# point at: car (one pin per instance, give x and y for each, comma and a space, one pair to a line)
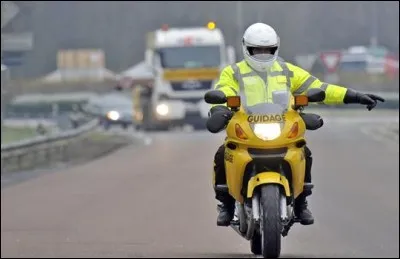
112, 109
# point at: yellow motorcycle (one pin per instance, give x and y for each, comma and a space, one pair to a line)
265, 162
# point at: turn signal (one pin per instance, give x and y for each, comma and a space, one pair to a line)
233, 102
294, 131
301, 100
240, 132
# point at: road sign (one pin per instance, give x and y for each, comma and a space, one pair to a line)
331, 59
306, 61
8, 11
17, 41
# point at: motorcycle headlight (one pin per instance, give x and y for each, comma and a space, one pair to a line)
269, 131
162, 109
113, 115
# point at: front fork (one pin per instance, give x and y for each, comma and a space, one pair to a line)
255, 218
254, 214
247, 218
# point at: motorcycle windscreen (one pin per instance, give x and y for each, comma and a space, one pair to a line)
266, 92
266, 98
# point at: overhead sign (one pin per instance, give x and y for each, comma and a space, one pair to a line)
305, 61
331, 60
17, 41
8, 11
12, 59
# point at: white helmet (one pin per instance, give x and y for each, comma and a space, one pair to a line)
260, 35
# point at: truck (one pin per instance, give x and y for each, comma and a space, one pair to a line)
185, 64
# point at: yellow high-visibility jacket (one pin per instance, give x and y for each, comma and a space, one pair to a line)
241, 77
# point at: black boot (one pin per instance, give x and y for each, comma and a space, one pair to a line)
302, 212
301, 206
227, 206
225, 215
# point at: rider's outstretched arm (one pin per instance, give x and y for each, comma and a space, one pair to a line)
303, 80
335, 94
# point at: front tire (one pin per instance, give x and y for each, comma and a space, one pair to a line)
271, 226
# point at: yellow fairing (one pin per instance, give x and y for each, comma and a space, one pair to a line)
237, 159
296, 159
267, 177
253, 141
235, 164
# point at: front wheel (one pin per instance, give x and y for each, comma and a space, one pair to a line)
271, 224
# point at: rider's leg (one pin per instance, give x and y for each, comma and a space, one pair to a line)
228, 203
301, 205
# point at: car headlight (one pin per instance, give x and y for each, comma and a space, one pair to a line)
162, 109
113, 115
269, 131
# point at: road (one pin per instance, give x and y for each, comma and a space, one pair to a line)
156, 200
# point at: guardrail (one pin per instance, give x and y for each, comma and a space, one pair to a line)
31, 153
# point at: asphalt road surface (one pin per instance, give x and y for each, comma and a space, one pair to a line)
156, 200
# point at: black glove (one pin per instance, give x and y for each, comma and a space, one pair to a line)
370, 100
219, 117
220, 109
367, 99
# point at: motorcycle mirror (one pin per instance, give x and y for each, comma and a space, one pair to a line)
233, 102
316, 95
215, 97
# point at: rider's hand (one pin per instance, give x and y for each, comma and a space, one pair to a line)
223, 113
219, 116
370, 100
221, 110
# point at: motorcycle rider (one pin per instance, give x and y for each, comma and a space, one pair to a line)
260, 46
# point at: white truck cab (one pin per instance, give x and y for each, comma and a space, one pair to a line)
186, 63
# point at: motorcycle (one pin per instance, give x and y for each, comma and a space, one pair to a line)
265, 162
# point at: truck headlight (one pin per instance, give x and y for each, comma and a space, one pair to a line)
268, 131
113, 115
162, 109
